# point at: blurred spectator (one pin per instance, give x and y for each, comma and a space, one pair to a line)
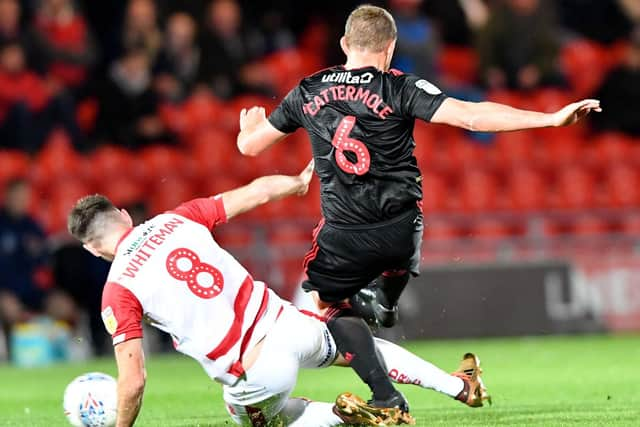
10, 28
179, 61
518, 48
605, 21
128, 106
29, 106
417, 45
25, 287
63, 43
620, 94
277, 36
141, 28
230, 50
458, 20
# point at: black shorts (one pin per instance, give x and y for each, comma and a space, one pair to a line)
346, 258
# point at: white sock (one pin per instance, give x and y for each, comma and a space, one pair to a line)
406, 368
303, 413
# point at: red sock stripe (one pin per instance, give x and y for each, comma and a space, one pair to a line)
394, 273
336, 309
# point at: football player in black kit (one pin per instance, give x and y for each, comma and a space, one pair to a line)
360, 118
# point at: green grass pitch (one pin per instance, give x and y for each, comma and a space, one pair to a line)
551, 381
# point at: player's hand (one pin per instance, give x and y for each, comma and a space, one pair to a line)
305, 178
251, 118
575, 112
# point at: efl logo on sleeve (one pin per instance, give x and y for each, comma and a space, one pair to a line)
428, 87
109, 320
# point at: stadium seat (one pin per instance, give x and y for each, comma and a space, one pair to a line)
526, 190
491, 228
623, 186
631, 225
122, 190
435, 192
613, 148
110, 161
514, 148
559, 152
576, 188
62, 195
585, 63
458, 65
159, 161
589, 225
13, 164
202, 110
214, 152
58, 160
549, 100
169, 191
287, 67
86, 114
463, 153
511, 98
441, 230
478, 191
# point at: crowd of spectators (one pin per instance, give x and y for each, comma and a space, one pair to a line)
121, 73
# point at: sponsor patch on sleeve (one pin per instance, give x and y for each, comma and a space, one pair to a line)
428, 87
110, 321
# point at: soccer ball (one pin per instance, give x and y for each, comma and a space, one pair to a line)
91, 401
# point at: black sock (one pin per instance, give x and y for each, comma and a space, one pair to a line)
355, 342
390, 287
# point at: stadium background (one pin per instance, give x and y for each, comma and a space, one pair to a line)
532, 232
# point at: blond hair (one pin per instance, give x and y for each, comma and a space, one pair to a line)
370, 28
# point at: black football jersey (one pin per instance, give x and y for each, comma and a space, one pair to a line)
360, 123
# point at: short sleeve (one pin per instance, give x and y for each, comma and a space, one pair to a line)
208, 211
121, 313
420, 98
287, 116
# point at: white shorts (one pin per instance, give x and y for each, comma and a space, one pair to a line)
297, 340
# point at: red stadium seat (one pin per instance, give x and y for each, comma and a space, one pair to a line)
511, 98
435, 192
202, 110
463, 153
13, 164
214, 152
159, 161
86, 114
613, 148
286, 68
576, 188
559, 152
58, 160
63, 194
491, 229
478, 191
169, 192
459, 65
514, 148
122, 191
441, 230
589, 225
110, 161
631, 225
623, 186
526, 190
585, 64
550, 100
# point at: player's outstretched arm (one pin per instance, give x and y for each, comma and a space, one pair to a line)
265, 189
256, 132
131, 380
493, 117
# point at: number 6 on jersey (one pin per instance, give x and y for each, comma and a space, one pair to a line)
342, 142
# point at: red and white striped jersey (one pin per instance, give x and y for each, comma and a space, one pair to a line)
171, 272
